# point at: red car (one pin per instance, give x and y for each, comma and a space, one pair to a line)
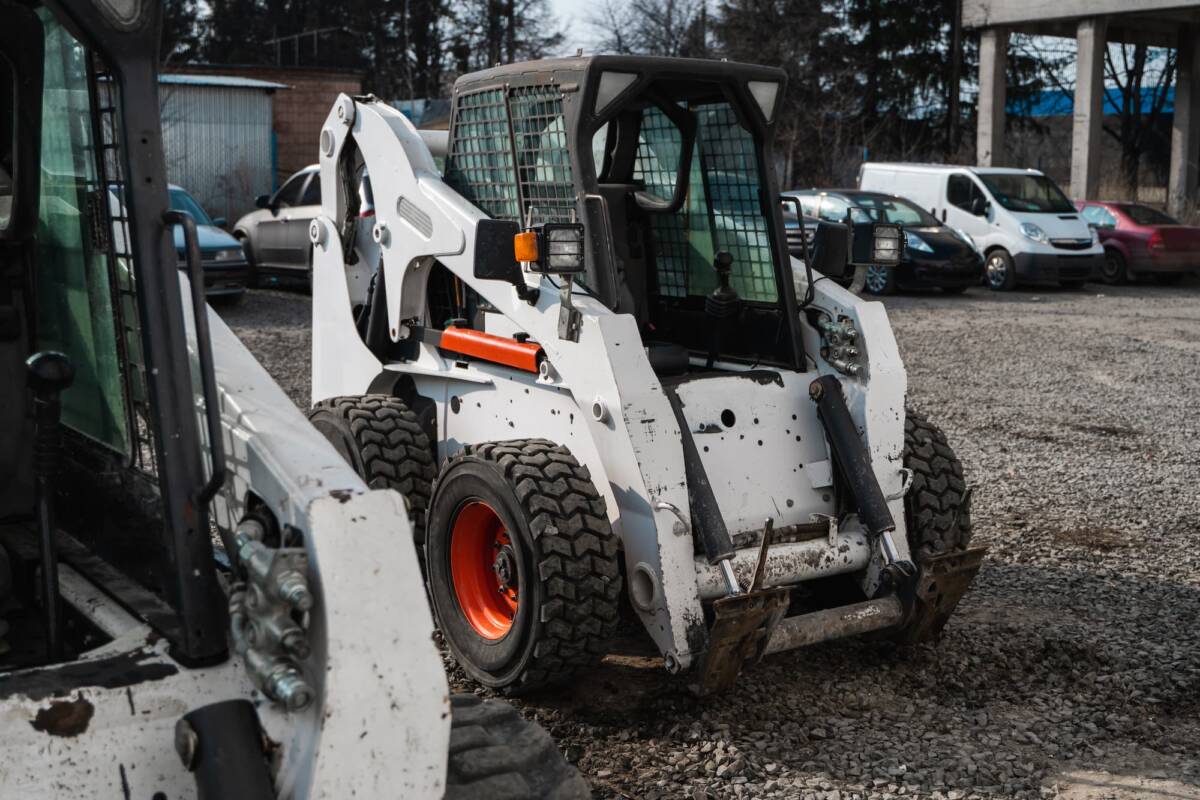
1140, 240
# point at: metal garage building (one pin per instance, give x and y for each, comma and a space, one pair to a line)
219, 139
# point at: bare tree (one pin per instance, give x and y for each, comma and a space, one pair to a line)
1137, 83
653, 27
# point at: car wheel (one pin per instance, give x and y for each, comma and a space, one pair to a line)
1114, 271
881, 280
252, 267
1000, 272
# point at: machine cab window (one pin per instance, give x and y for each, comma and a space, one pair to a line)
677, 194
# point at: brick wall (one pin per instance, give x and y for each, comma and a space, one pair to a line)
299, 111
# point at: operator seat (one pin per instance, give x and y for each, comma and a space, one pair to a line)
667, 358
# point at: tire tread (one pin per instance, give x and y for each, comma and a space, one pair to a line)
498, 754
392, 446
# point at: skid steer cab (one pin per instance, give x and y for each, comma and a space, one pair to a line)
576, 343
197, 593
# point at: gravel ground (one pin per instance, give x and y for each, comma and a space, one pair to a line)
1072, 668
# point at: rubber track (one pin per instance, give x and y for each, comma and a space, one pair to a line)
938, 521
576, 558
395, 451
497, 754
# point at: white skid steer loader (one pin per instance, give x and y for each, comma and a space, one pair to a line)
140, 656
583, 354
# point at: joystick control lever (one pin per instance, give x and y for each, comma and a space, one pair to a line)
722, 305
48, 375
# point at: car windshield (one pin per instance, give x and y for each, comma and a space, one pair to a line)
1145, 215
182, 201
1031, 193
896, 210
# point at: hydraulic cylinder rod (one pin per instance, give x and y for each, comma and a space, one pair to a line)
850, 454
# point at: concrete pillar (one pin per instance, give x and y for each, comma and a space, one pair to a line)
1185, 131
1089, 109
989, 133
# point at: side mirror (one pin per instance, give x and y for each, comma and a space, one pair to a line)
220, 222
262, 201
496, 256
829, 249
979, 206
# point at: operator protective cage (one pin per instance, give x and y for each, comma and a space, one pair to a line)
680, 148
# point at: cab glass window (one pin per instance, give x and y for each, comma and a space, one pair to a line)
722, 211
74, 282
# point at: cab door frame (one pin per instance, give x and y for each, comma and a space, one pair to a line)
126, 39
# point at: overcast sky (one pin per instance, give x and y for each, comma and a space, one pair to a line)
573, 16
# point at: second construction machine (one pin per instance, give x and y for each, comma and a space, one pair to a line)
581, 351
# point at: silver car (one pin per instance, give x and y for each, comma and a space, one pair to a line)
275, 237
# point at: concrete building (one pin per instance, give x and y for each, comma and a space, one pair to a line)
1093, 24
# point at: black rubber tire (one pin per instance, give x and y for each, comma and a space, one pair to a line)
498, 754
566, 560
382, 439
1009, 280
1114, 271
937, 518
252, 267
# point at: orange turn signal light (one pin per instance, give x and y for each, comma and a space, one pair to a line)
525, 246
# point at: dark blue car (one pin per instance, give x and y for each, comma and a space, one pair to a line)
226, 270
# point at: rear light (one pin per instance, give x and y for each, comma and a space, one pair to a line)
1156, 241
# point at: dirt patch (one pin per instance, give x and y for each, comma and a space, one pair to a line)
1102, 539
64, 717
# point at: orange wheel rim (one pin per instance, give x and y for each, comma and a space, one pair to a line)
483, 568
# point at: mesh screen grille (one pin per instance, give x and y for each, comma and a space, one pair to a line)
543, 163
480, 163
509, 154
656, 164
723, 210
729, 160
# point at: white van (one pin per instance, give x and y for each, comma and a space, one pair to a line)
1022, 223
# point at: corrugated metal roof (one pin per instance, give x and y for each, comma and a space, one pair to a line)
230, 81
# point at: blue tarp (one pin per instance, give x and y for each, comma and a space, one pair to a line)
1060, 103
